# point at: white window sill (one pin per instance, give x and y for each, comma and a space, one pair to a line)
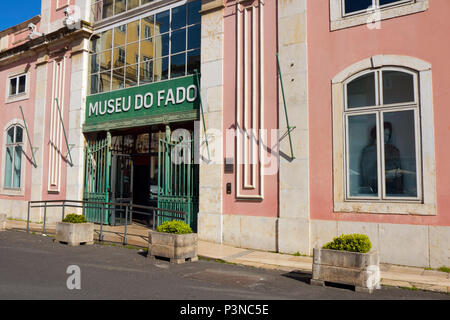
17, 97
402, 208
12, 192
338, 22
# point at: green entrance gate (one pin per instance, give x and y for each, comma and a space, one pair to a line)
178, 179
97, 166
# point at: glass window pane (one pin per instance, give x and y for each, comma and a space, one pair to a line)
93, 85
361, 91
8, 167
384, 2
162, 22
146, 1
19, 134
131, 75
178, 41
132, 53
10, 136
194, 12
22, 83
93, 64
106, 40
147, 26
161, 44
161, 69
107, 8
118, 79
119, 57
178, 65
362, 155
194, 36
400, 154
178, 17
357, 5
17, 166
146, 49
120, 34
193, 61
96, 11
120, 6
398, 87
13, 86
132, 4
105, 82
146, 72
104, 60
133, 31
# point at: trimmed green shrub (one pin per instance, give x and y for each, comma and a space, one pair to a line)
74, 218
175, 226
350, 242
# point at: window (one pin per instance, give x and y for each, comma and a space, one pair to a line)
383, 137
356, 6
382, 144
349, 13
13, 161
155, 47
17, 85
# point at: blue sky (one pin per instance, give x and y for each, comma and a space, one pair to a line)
17, 11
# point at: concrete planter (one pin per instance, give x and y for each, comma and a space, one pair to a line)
176, 247
2, 221
75, 234
352, 268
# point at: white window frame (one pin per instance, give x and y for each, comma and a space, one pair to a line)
17, 77
341, 20
425, 203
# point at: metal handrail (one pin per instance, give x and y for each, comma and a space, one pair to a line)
129, 210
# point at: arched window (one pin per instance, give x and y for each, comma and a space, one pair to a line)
383, 137
13, 158
382, 140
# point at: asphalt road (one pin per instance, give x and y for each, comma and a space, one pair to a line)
35, 267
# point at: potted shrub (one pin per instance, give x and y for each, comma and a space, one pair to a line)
75, 230
347, 260
173, 240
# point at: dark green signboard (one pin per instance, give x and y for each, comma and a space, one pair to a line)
160, 102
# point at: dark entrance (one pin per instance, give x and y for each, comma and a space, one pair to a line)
151, 167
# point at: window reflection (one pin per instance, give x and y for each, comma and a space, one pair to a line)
157, 47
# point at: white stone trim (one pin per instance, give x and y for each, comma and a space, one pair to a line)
339, 21
428, 205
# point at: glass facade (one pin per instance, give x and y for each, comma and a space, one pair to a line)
157, 47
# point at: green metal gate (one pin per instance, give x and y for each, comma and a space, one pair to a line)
97, 166
178, 179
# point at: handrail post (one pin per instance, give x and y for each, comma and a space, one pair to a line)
126, 220
154, 219
63, 209
28, 218
45, 216
100, 237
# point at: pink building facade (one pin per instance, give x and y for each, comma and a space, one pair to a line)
366, 87
40, 71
